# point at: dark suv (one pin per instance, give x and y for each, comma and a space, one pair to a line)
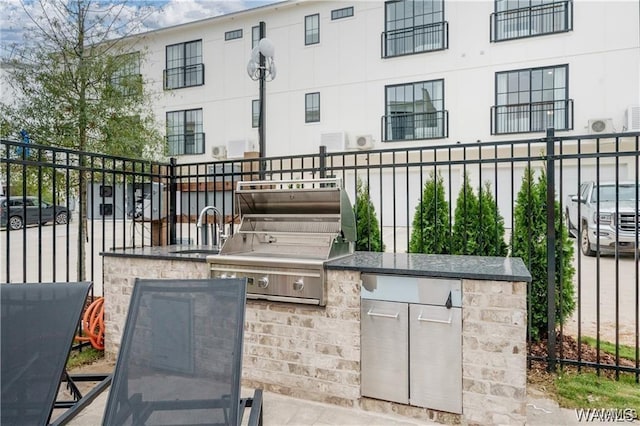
17, 212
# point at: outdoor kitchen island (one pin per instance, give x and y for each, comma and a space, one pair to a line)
317, 352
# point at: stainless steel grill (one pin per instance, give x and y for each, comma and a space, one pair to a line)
288, 230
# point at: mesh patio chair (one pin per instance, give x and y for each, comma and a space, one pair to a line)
38, 322
181, 356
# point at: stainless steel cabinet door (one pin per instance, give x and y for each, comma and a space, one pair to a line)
435, 358
385, 350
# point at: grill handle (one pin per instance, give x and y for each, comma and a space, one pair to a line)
254, 185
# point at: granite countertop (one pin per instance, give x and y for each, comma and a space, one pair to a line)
172, 252
435, 265
425, 265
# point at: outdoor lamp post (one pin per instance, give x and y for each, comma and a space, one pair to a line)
262, 67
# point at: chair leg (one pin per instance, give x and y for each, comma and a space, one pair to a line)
255, 416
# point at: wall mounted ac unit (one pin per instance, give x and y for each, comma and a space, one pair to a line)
335, 141
237, 148
219, 152
632, 118
600, 125
363, 142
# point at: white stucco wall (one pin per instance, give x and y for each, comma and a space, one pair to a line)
602, 53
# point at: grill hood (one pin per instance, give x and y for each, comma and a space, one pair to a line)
308, 219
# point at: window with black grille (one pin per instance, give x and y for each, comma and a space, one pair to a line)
515, 19
532, 100
312, 107
184, 132
345, 12
184, 67
312, 29
232, 35
415, 111
414, 27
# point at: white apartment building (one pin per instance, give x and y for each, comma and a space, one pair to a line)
396, 74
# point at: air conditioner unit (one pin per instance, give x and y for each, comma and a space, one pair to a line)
335, 141
219, 152
237, 148
363, 142
632, 118
600, 125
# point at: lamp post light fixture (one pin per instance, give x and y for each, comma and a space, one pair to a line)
262, 67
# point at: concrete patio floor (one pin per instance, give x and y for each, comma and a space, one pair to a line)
279, 410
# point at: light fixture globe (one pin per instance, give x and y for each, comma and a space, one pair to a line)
266, 47
253, 70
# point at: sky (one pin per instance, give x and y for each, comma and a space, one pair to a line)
170, 12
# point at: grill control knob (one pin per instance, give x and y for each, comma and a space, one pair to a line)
227, 275
263, 282
298, 284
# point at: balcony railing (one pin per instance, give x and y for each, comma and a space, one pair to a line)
412, 126
532, 21
187, 76
188, 144
532, 117
423, 38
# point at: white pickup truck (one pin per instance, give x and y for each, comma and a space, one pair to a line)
602, 224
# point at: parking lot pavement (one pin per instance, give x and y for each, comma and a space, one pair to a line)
607, 288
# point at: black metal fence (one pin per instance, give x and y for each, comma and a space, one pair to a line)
135, 203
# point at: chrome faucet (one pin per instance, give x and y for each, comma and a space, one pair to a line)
216, 229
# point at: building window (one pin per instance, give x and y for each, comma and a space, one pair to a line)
527, 18
414, 27
127, 78
255, 36
312, 29
184, 67
232, 35
184, 132
532, 100
255, 113
415, 111
341, 13
312, 107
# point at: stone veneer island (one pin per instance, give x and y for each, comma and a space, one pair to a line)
314, 352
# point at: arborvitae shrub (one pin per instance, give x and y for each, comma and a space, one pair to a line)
490, 225
529, 242
367, 227
431, 231
465, 225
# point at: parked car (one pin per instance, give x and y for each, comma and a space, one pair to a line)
602, 223
16, 212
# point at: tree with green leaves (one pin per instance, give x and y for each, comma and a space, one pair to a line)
367, 227
529, 242
431, 230
76, 84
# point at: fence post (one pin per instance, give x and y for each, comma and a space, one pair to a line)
551, 255
323, 161
173, 189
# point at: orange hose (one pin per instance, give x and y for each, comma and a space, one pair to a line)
93, 324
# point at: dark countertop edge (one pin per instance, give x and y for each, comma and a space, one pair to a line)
434, 274
369, 262
187, 258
